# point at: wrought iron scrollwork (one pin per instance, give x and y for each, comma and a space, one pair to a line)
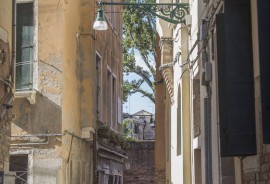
171, 12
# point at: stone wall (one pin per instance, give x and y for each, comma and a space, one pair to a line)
139, 168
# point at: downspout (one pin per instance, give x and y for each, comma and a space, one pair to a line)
95, 171
207, 140
13, 69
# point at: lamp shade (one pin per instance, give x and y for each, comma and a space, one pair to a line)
100, 23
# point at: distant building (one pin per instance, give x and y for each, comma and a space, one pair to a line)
139, 125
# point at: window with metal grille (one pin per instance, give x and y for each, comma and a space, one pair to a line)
19, 164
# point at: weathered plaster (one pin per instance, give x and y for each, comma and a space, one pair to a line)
5, 74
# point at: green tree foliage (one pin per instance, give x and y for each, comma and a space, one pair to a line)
127, 123
139, 34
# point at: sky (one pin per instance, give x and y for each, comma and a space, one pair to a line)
135, 101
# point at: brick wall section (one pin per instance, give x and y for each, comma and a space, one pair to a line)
141, 158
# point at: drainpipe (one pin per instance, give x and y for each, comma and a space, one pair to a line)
37, 135
207, 140
95, 171
47, 141
13, 41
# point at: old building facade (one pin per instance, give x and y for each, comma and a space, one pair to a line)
6, 82
109, 156
217, 124
140, 126
67, 84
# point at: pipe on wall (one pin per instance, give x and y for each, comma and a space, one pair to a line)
208, 140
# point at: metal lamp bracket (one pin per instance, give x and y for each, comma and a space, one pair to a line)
171, 12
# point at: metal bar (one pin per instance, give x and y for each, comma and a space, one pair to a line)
46, 142
171, 12
25, 62
24, 89
37, 135
208, 140
144, 4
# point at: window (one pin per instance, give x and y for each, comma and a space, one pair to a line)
114, 100
136, 130
111, 179
25, 47
19, 164
109, 97
99, 86
119, 110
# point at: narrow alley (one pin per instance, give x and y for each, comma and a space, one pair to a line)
134, 92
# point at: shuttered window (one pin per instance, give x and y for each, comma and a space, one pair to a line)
24, 47
264, 40
235, 80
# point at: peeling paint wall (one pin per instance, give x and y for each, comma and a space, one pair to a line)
5, 74
45, 115
50, 52
66, 87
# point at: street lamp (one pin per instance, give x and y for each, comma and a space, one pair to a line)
171, 12
100, 23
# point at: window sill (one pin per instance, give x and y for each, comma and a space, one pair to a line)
29, 95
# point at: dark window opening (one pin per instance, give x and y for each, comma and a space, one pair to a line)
19, 164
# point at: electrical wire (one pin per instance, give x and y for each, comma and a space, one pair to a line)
197, 41
7, 82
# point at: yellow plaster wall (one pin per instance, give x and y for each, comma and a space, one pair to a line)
6, 18
78, 89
